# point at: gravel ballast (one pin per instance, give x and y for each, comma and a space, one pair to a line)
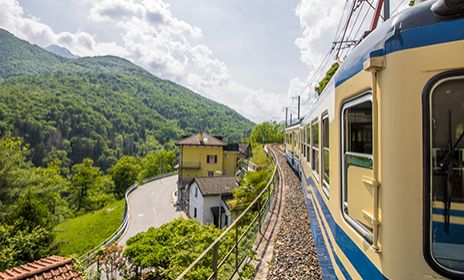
294, 255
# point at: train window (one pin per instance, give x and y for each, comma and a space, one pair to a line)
325, 154
308, 142
315, 147
357, 199
301, 141
445, 182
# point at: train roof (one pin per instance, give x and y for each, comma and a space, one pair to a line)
403, 31
294, 125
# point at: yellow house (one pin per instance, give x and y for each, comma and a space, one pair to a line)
203, 155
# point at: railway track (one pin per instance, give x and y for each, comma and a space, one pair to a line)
294, 254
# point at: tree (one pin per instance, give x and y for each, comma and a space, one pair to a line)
124, 173
12, 165
102, 192
158, 163
18, 247
267, 132
50, 186
250, 187
29, 213
170, 248
27, 236
83, 179
329, 74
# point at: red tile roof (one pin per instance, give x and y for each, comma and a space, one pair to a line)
208, 140
55, 267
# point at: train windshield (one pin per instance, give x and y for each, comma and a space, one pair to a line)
446, 174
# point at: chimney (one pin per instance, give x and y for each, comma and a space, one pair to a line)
202, 137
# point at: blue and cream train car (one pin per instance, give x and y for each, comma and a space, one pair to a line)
380, 153
292, 152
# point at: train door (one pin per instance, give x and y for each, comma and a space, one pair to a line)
444, 173
357, 165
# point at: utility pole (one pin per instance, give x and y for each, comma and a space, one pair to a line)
386, 9
298, 97
286, 116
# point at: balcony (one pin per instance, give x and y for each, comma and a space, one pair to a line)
189, 165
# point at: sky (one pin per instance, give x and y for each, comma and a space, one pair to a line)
251, 55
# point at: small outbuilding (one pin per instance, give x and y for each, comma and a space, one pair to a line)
208, 198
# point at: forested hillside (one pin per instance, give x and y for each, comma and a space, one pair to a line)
76, 133
98, 107
19, 57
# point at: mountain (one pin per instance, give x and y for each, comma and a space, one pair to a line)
60, 51
19, 57
99, 107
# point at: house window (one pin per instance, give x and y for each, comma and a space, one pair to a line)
210, 173
444, 169
315, 147
211, 159
194, 212
196, 192
325, 154
357, 163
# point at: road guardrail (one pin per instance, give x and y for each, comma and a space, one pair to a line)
86, 259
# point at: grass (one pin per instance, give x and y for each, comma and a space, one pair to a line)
80, 234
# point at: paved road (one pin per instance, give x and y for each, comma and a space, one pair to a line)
151, 205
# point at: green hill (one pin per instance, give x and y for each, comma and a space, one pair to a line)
19, 57
98, 107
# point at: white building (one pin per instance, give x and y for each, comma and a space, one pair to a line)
208, 200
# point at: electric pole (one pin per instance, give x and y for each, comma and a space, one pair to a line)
286, 116
298, 97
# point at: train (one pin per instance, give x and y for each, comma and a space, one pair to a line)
380, 152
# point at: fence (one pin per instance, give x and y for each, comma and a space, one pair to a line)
237, 240
86, 259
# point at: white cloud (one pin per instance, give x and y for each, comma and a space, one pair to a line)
169, 47
255, 104
14, 19
319, 20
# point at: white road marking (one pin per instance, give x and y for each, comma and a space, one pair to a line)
141, 215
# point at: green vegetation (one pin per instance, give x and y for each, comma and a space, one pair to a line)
267, 132
75, 134
159, 163
322, 84
34, 200
99, 108
26, 236
78, 235
172, 247
259, 156
124, 173
19, 57
167, 251
253, 182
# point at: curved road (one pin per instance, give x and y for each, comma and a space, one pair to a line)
151, 205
